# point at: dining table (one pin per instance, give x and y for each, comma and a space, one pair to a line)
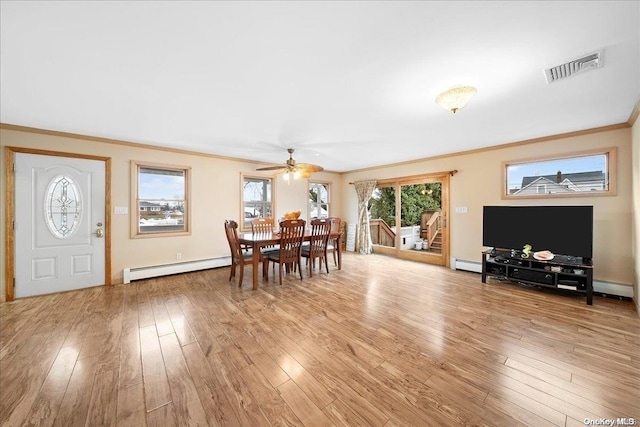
257, 241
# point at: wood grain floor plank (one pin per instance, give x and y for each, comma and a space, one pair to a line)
179, 323
75, 404
18, 397
521, 414
341, 415
186, 403
156, 386
162, 417
246, 408
271, 401
103, 402
303, 407
131, 410
45, 409
361, 346
213, 394
269, 368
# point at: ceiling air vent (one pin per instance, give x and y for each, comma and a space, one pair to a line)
575, 66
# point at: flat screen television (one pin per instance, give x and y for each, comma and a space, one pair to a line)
563, 230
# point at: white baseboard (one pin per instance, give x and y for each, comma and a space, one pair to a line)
599, 286
461, 264
611, 288
131, 274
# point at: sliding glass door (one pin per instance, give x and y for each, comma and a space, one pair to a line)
409, 218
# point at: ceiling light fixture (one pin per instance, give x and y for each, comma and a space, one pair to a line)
455, 98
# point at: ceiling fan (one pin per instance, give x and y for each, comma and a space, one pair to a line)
298, 170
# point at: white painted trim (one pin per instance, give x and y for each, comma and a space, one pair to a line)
610, 288
599, 286
461, 264
131, 274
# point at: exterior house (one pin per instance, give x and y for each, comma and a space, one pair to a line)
150, 207
562, 183
150, 210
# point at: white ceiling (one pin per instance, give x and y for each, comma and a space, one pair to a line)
331, 79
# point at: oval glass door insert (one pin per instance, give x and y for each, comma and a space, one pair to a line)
63, 206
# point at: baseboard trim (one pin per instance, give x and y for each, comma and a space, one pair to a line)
131, 274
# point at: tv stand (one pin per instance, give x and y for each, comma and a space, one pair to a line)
568, 273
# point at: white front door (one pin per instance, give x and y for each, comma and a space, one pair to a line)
59, 224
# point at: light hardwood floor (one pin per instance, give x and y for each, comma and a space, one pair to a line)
384, 342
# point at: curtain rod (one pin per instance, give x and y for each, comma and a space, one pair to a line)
451, 172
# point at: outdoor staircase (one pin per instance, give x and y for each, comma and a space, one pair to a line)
436, 245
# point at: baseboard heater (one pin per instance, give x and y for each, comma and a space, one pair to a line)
138, 273
599, 286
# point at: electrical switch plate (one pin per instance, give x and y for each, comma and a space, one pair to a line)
121, 210
461, 209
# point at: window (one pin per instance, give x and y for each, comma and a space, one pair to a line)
161, 200
257, 199
319, 200
574, 175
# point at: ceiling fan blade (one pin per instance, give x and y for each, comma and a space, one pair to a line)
308, 167
272, 168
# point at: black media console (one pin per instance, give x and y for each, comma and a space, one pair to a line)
562, 272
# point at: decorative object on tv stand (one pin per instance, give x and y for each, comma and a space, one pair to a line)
543, 255
526, 251
455, 98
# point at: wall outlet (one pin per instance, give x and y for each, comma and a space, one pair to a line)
178, 256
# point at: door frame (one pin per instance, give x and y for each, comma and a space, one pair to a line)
9, 215
443, 258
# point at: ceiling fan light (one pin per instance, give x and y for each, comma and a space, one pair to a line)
455, 98
296, 174
286, 176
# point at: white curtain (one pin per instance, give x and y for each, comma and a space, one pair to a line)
364, 190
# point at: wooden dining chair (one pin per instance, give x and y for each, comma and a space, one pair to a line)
239, 257
262, 225
288, 253
332, 244
317, 247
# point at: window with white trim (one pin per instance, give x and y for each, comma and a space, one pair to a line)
161, 200
319, 193
581, 174
257, 199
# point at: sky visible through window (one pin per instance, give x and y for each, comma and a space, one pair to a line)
515, 172
157, 187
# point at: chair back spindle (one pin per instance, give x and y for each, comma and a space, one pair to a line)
317, 248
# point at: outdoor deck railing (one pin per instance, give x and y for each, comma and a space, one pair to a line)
381, 233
